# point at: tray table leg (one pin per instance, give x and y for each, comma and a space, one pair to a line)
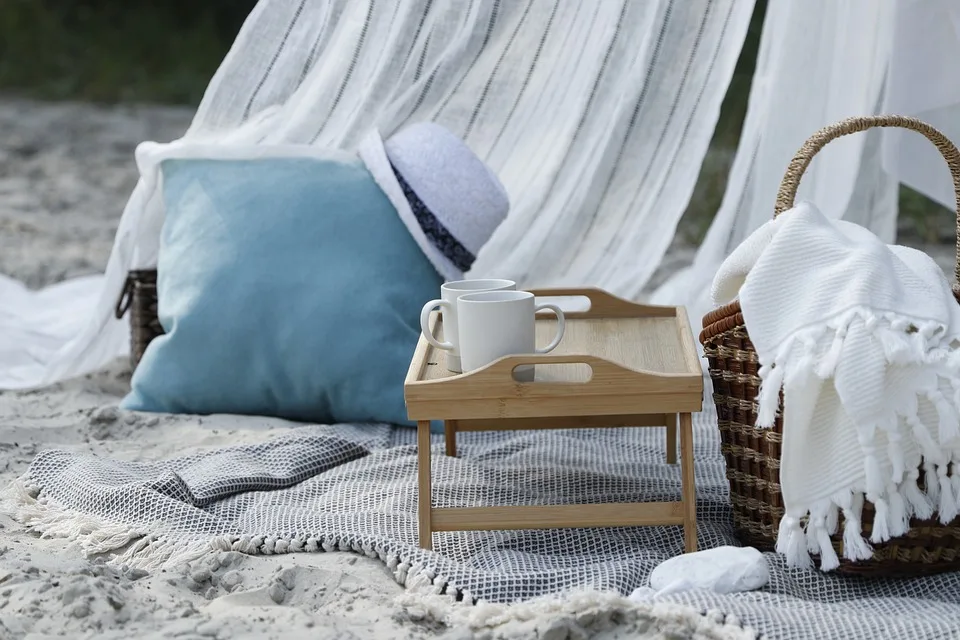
425, 496
450, 431
689, 489
671, 438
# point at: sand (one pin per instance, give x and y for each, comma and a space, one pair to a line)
48, 588
66, 171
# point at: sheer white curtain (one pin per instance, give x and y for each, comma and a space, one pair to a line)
595, 113
924, 82
819, 61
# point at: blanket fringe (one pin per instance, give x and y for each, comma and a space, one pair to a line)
818, 537
890, 475
881, 520
920, 505
768, 397
899, 521
93, 536
855, 547
791, 541
139, 549
893, 509
948, 502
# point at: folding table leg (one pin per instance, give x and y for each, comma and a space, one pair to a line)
450, 432
671, 438
425, 496
689, 488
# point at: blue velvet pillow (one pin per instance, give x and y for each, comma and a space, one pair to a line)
287, 287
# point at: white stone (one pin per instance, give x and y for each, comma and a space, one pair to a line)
722, 570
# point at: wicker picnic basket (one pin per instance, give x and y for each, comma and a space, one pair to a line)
139, 297
753, 455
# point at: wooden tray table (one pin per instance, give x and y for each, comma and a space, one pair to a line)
641, 370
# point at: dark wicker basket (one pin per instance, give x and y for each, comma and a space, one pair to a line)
139, 296
753, 454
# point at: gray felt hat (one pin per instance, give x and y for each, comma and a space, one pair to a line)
446, 196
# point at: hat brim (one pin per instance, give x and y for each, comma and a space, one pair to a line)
374, 156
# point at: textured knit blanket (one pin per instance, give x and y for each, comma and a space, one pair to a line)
354, 488
862, 337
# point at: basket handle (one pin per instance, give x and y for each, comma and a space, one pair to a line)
791, 179
125, 298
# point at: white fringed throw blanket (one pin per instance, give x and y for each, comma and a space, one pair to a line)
863, 338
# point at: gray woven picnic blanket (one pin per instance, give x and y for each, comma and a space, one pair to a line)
354, 488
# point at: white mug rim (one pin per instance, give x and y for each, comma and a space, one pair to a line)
487, 297
478, 285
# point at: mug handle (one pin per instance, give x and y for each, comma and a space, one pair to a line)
561, 323
425, 323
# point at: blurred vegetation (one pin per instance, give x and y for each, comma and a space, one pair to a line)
712, 181
115, 50
165, 51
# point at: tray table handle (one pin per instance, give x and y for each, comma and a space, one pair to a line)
605, 305
504, 367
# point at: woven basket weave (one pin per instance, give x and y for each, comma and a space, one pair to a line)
753, 454
139, 296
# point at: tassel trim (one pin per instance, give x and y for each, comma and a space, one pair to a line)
893, 444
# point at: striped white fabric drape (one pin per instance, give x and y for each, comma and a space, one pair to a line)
819, 61
924, 82
595, 113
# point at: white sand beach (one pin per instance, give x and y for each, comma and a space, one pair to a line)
65, 173
600, 120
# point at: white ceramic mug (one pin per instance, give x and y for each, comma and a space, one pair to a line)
449, 293
494, 324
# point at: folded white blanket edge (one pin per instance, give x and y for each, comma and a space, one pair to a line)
864, 339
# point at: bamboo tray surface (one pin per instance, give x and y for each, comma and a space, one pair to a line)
639, 344
627, 353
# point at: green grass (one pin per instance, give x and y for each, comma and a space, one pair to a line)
931, 222
113, 51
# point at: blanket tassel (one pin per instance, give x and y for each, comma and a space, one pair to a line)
930, 482
768, 397
791, 542
855, 547
919, 504
948, 504
881, 520
818, 537
899, 519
